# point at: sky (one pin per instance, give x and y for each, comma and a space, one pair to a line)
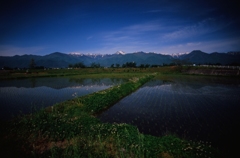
41, 27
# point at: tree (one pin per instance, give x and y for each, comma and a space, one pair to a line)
70, 66
142, 66
131, 64
95, 65
79, 65
147, 65
32, 64
112, 65
117, 65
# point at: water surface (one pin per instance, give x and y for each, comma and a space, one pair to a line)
194, 108
24, 95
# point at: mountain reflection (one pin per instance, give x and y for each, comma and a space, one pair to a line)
24, 94
59, 82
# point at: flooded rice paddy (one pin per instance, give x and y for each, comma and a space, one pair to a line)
27, 95
199, 109
195, 108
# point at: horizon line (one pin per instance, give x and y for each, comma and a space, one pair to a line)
95, 54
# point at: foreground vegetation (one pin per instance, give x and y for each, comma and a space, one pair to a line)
70, 129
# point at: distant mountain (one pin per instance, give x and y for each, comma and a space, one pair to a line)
199, 57
61, 60
137, 57
177, 55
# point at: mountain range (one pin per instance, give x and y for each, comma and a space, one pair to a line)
62, 60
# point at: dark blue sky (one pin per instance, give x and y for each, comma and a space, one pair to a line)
41, 27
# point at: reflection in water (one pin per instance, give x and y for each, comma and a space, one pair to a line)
58, 82
33, 82
25, 94
193, 110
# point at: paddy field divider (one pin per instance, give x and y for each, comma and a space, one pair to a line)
70, 129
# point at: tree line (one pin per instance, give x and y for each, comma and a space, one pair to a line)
32, 65
125, 65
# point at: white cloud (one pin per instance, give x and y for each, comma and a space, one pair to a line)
131, 32
90, 37
111, 48
206, 46
203, 27
150, 26
130, 38
145, 37
155, 11
222, 45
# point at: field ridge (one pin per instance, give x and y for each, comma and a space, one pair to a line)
69, 129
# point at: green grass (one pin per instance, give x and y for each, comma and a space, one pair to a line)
85, 72
99, 72
70, 129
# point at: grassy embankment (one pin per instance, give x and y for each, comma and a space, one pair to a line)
91, 72
85, 72
210, 71
69, 129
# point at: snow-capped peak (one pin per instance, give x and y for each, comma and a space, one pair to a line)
76, 54
120, 52
176, 55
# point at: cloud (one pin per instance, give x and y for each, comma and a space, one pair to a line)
203, 27
210, 46
175, 37
90, 37
110, 48
145, 27
225, 45
131, 32
130, 38
155, 11
222, 45
153, 32
9, 50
